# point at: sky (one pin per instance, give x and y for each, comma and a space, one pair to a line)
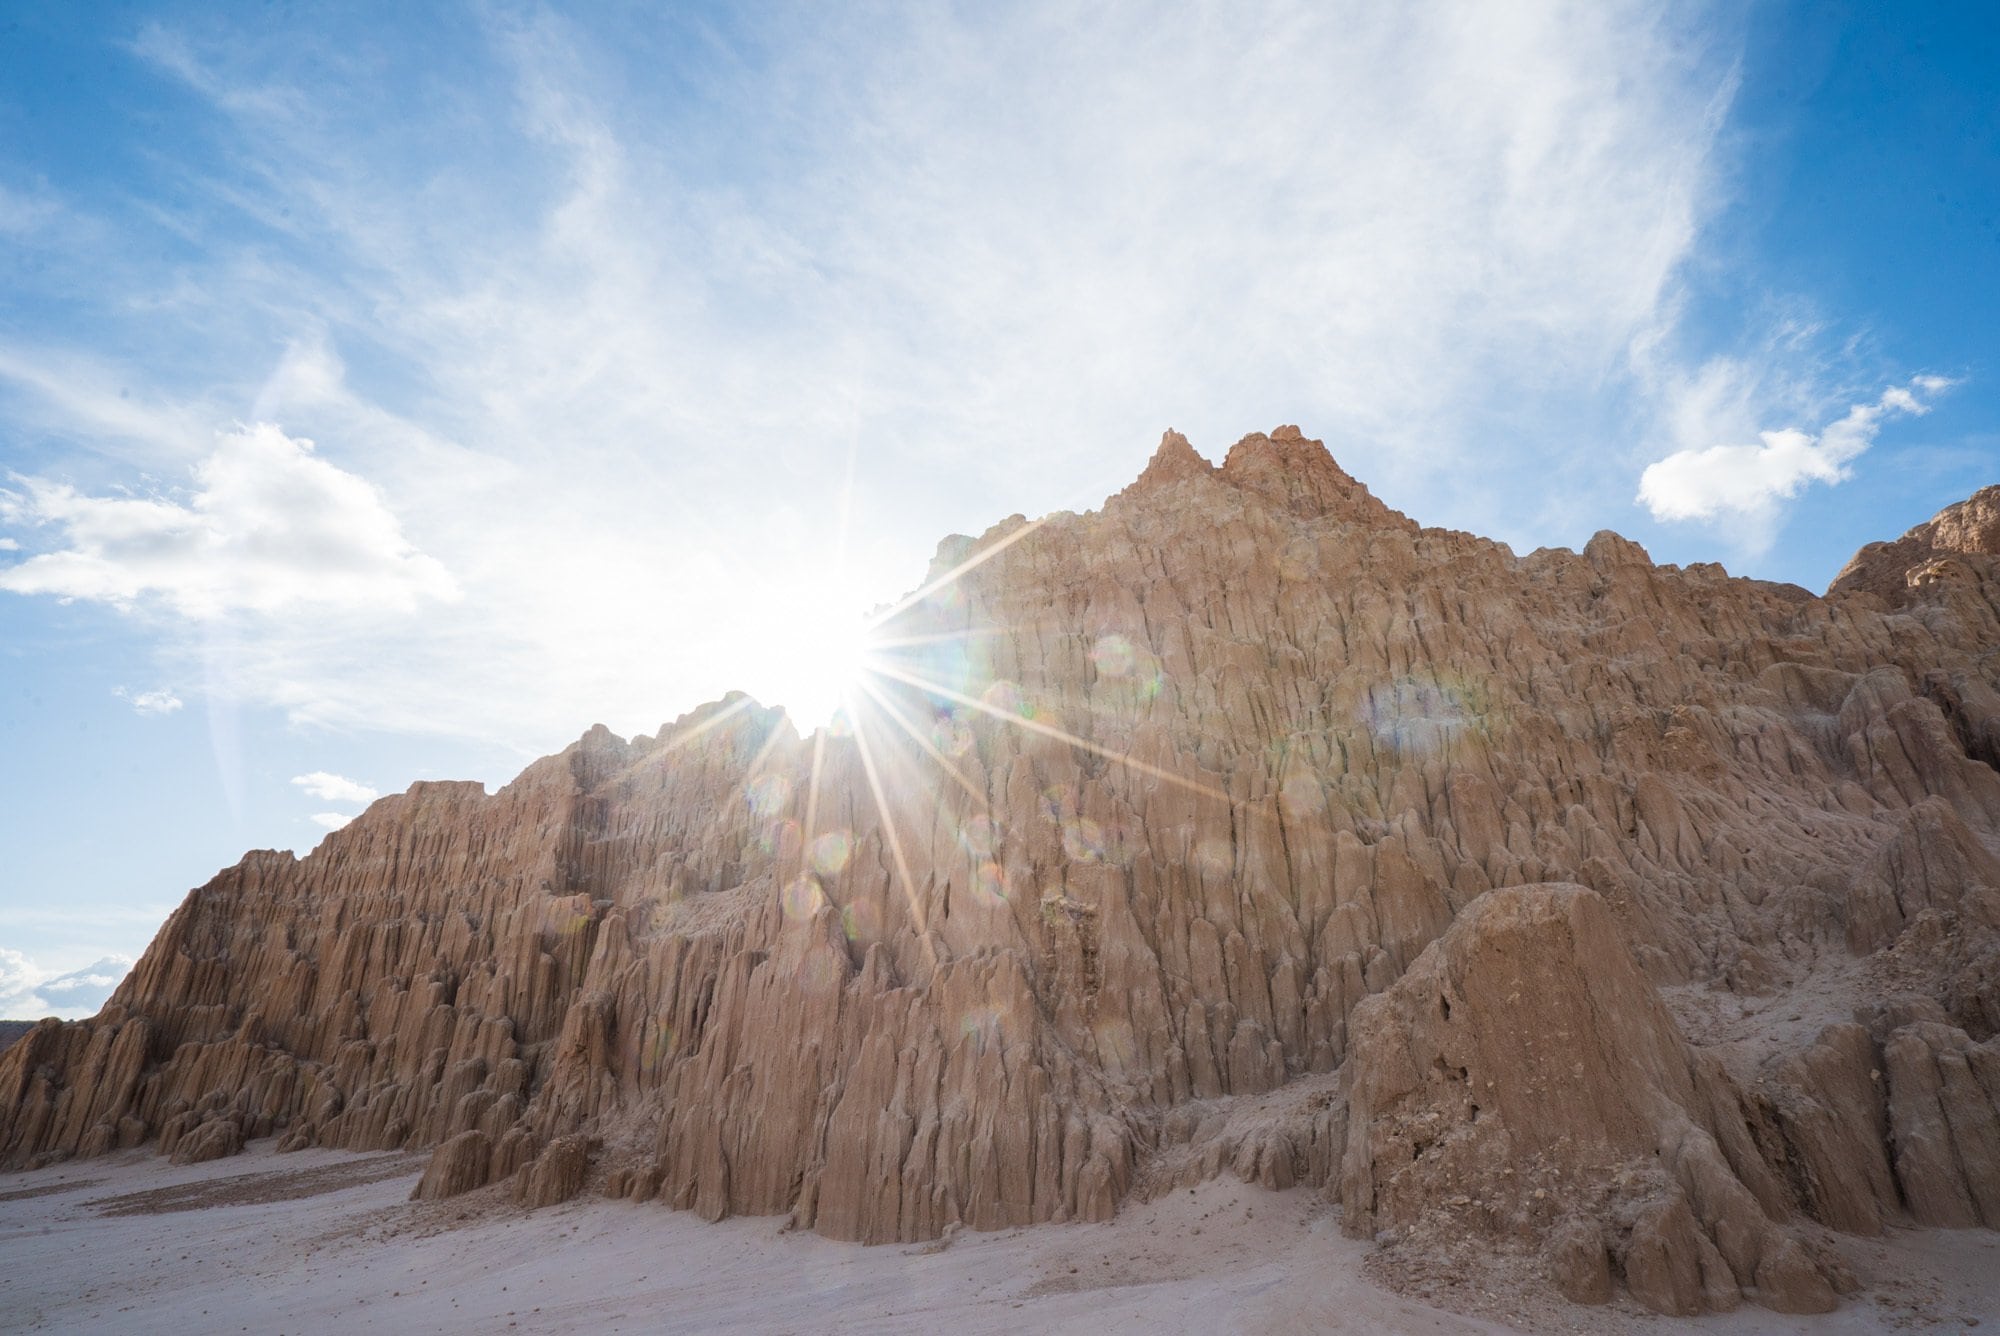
393, 392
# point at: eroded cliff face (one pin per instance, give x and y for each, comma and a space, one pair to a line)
1642, 916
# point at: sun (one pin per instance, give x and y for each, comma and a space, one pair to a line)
807, 655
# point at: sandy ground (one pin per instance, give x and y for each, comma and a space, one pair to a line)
327, 1241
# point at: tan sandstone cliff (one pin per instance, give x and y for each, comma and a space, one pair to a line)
1642, 918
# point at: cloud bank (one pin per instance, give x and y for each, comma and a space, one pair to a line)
29, 993
268, 527
639, 356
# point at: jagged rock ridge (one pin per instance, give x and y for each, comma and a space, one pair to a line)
1643, 916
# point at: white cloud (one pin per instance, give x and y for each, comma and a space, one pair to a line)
29, 992
1749, 481
972, 262
162, 701
332, 820
269, 526
335, 788
9, 545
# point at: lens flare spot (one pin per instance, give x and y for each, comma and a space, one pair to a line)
568, 922
1007, 697
829, 853
860, 922
778, 838
802, 897
1083, 841
1113, 656
769, 796
948, 597
978, 836
951, 735
1415, 716
989, 884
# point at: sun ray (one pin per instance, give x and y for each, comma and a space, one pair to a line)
720, 819
972, 562
812, 792
930, 748
895, 841
934, 638
693, 731
1051, 731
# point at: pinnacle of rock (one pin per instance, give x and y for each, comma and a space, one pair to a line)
1175, 461
1641, 918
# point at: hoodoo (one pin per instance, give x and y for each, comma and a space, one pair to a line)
1636, 919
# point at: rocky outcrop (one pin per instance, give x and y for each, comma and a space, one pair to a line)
1955, 547
557, 1174
1242, 825
458, 1166
1944, 1117
1525, 1077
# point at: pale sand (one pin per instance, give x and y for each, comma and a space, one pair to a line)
327, 1241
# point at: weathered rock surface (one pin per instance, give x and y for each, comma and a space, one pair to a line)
1524, 1075
557, 1174
1241, 825
1578, 1265
1956, 544
459, 1165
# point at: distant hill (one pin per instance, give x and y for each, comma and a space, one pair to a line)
12, 1030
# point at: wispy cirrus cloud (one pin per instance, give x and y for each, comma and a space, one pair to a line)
672, 372
24, 213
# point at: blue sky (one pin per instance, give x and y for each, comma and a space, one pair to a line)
395, 393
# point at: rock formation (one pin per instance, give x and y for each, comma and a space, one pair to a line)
1637, 918
1958, 543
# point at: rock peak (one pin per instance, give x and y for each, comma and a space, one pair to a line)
1173, 462
1287, 468
1298, 473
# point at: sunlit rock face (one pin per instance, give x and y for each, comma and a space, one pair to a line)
1629, 914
